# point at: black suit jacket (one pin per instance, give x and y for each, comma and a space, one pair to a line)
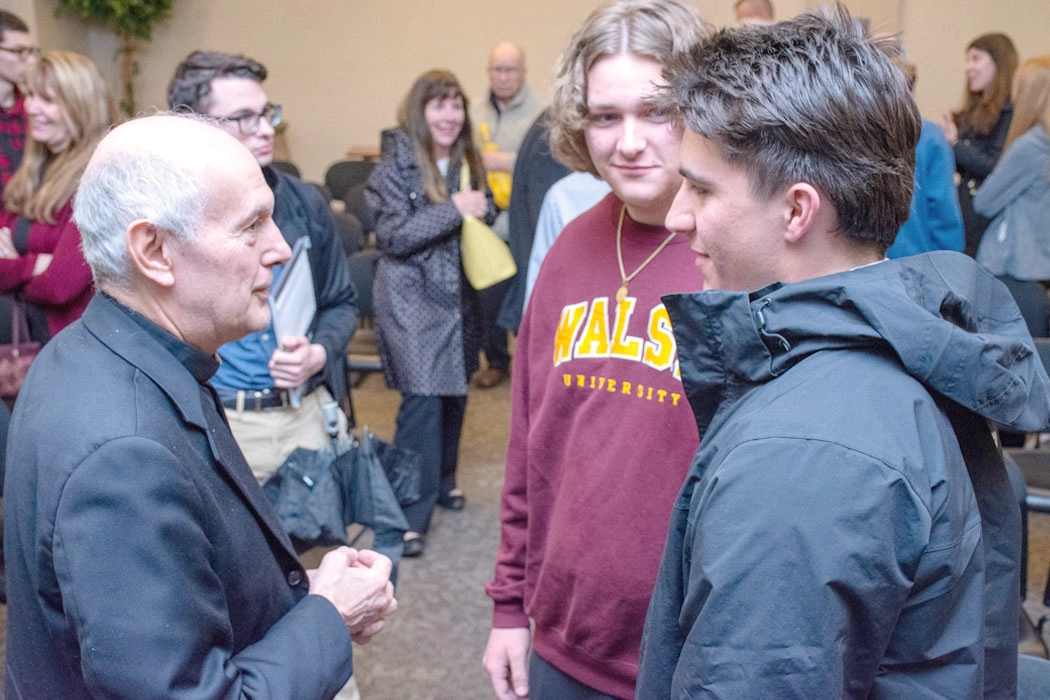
143, 560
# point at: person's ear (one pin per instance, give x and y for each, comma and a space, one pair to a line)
149, 251
803, 206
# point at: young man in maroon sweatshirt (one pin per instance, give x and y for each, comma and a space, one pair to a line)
601, 432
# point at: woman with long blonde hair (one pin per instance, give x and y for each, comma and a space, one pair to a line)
68, 111
1017, 192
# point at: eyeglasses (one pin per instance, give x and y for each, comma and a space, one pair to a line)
23, 52
248, 124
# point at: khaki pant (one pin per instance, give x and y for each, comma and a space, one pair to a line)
268, 436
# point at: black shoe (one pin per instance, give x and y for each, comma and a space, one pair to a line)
453, 501
413, 547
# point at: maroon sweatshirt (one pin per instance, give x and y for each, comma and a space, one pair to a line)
601, 439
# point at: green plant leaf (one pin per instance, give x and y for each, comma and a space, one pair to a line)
131, 20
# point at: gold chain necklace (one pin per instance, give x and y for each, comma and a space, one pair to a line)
621, 293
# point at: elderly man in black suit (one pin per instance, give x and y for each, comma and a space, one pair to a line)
143, 559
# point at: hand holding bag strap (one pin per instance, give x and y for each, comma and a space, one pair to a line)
486, 258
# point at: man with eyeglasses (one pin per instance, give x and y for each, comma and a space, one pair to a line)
258, 371
17, 53
501, 120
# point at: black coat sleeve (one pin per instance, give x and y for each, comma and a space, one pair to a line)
336, 318
975, 156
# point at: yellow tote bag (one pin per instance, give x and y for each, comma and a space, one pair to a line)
486, 258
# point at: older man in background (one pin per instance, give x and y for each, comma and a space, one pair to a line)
754, 11
501, 121
144, 561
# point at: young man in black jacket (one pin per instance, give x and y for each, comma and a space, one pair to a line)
847, 528
260, 370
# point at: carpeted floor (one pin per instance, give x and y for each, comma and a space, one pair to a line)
432, 647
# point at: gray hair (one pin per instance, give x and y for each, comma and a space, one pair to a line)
656, 29
811, 100
120, 187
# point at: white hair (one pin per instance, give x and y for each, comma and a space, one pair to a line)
121, 186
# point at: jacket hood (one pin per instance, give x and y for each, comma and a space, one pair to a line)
954, 327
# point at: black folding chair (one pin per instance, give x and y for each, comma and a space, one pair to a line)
344, 174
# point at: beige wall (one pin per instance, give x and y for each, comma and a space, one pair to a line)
340, 66
936, 33
50, 32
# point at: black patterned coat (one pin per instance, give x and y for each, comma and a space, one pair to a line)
426, 312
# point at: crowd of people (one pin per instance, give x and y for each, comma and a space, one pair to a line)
761, 354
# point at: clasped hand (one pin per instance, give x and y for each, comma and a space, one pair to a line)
358, 584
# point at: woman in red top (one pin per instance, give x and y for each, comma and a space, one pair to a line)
68, 110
